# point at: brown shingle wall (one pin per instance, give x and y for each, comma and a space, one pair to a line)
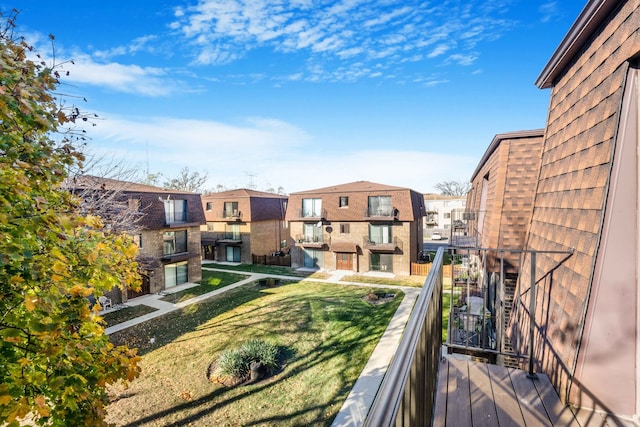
512, 170
575, 169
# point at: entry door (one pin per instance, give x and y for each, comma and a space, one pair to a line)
344, 261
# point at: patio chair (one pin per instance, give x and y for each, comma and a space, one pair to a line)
105, 302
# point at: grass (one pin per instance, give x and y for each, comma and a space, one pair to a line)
127, 313
275, 270
329, 332
414, 281
211, 280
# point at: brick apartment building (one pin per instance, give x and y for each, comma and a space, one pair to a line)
360, 226
164, 223
241, 223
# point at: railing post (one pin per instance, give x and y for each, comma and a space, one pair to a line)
532, 314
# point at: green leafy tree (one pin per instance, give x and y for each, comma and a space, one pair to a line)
55, 358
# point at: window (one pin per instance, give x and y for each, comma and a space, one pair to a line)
312, 233
209, 206
176, 274
283, 244
175, 211
344, 202
233, 253
311, 208
174, 242
230, 209
134, 205
447, 215
345, 228
381, 262
380, 234
232, 232
380, 206
445, 203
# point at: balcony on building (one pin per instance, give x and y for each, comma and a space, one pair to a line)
431, 218
465, 231
230, 215
380, 213
391, 245
476, 376
230, 236
311, 214
310, 241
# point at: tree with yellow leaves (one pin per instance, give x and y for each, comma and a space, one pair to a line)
55, 358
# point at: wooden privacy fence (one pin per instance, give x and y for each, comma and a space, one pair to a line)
283, 261
424, 269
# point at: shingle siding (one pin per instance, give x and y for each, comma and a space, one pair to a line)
575, 173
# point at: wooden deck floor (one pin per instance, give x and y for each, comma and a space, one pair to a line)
473, 394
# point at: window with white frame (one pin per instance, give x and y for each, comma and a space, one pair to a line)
231, 209
380, 206
175, 210
380, 233
176, 274
312, 208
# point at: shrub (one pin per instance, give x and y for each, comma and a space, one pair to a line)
236, 363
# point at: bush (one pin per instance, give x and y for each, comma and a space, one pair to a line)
236, 363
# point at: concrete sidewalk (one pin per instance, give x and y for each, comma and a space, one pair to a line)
360, 399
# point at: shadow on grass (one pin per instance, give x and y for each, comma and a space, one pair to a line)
348, 327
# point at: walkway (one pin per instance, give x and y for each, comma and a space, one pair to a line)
357, 404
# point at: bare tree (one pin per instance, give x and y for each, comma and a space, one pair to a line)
187, 181
453, 188
100, 183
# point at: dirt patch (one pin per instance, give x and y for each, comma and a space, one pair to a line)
378, 297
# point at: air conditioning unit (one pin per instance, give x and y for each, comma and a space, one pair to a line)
469, 216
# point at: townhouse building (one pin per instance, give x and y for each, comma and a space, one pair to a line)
360, 226
439, 210
164, 223
243, 222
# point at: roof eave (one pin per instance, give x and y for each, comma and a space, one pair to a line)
591, 17
495, 142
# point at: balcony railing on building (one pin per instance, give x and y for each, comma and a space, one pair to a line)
390, 245
385, 213
311, 214
310, 241
230, 215
485, 307
230, 236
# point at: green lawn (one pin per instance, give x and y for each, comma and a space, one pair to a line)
414, 281
127, 313
268, 269
211, 280
328, 332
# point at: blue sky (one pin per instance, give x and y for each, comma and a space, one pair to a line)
302, 94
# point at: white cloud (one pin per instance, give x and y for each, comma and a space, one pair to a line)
222, 31
274, 151
147, 81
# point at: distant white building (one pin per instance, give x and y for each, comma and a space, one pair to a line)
438, 213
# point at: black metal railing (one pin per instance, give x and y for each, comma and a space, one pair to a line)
406, 396
392, 245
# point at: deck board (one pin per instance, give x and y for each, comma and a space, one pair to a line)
458, 394
559, 414
507, 407
483, 413
475, 394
